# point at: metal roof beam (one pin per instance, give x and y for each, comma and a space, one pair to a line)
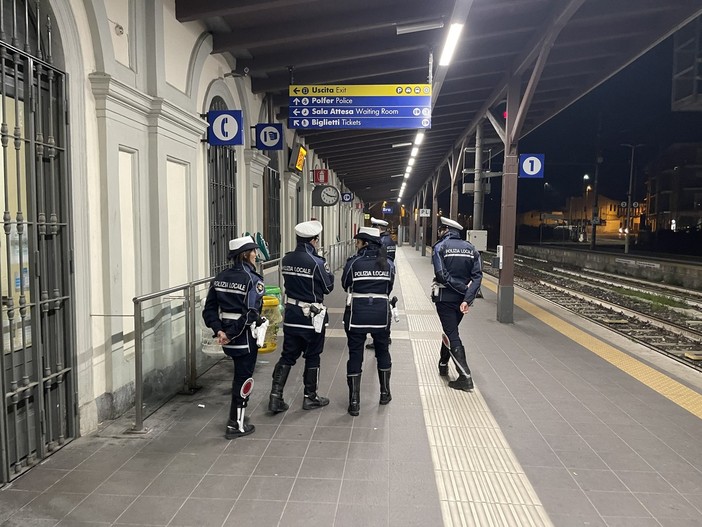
317, 28
189, 10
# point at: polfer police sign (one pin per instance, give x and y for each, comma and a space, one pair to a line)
225, 127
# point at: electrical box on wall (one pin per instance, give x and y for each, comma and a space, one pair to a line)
478, 239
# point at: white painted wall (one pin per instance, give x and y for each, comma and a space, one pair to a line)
139, 188
178, 240
118, 14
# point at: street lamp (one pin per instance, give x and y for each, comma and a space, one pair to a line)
627, 227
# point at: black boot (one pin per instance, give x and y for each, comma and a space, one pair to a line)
354, 382
276, 403
384, 378
239, 427
312, 400
465, 380
444, 360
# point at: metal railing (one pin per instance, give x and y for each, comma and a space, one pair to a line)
168, 356
167, 348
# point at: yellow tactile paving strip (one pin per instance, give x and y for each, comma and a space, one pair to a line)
669, 388
480, 481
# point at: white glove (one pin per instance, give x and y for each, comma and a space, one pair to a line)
395, 314
259, 332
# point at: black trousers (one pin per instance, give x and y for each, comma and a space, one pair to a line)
450, 316
356, 343
243, 370
307, 343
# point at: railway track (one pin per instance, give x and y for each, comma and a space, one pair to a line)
663, 318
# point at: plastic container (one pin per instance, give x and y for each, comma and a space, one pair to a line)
271, 311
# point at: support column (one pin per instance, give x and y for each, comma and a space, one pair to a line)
412, 226
478, 195
508, 216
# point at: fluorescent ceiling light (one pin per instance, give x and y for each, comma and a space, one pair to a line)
450, 45
410, 162
408, 169
396, 175
419, 138
398, 145
406, 175
415, 27
415, 151
399, 199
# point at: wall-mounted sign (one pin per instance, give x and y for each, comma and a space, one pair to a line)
321, 176
388, 210
347, 197
225, 127
359, 106
531, 165
297, 158
269, 136
424, 213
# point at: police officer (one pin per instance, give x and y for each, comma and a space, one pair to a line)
390, 247
307, 279
385, 237
457, 276
233, 305
368, 279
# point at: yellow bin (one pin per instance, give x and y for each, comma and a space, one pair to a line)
272, 313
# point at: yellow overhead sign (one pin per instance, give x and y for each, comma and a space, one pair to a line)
360, 90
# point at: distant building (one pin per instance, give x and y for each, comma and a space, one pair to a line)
578, 214
674, 189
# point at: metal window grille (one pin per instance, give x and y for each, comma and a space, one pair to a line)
221, 172
271, 211
38, 350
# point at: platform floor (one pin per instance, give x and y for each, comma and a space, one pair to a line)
568, 425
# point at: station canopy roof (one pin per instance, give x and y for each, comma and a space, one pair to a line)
389, 42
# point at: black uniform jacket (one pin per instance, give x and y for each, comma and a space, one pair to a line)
457, 269
235, 291
369, 287
387, 242
307, 279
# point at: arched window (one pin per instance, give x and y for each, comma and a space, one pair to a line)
221, 174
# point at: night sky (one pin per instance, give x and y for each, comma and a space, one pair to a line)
635, 108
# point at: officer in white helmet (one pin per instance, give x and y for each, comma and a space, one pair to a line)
232, 307
457, 276
385, 237
368, 278
307, 278
388, 244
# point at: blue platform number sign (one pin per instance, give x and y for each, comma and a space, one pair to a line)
387, 210
269, 136
346, 197
531, 165
225, 127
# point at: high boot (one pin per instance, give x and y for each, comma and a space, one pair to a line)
384, 378
465, 380
444, 359
276, 403
312, 400
354, 382
239, 427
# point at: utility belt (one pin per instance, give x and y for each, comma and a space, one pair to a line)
315, 310
351, 296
